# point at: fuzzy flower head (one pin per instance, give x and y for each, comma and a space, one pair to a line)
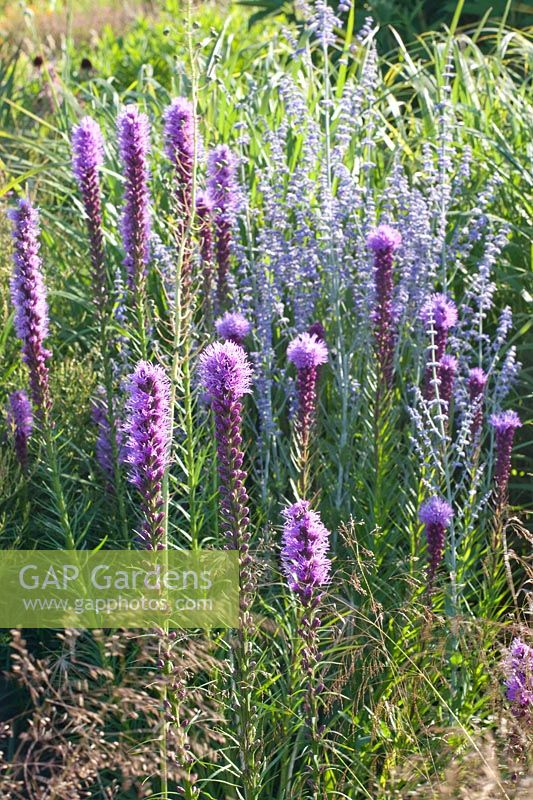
225, 371
148, 427
87, 149
222, 179
233, 327
505, 422
440, 311
307, 351
436, 511
304, 555
518, 668
477, 380
384, 239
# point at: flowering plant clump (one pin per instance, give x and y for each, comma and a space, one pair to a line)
275, 304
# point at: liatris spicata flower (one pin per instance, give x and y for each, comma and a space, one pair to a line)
477, 380
518, 668
384, 241
446, 370
134, 144
223, 190
87, 159
104, 443
305, 563
28, 295
226, 375
505, 425
204, 212
148, 446
20, 422
180, 144
307, 353
436, 514
204, 215
440, 313
317, 329
233, 327
304, 552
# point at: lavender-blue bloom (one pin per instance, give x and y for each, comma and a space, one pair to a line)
134, 143
28, 295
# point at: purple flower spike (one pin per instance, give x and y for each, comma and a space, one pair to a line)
384, 241
20, 421
304, 552
518, 669
226, 374
87, 159
204, 216
446, 371
134, 144
104, 443
477, 381
317, 329
148, 445
505, 425
307, 353
441, 313
204, 213
436, 514
28, 295
233, 327
223, 190
438, 314
180, 143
